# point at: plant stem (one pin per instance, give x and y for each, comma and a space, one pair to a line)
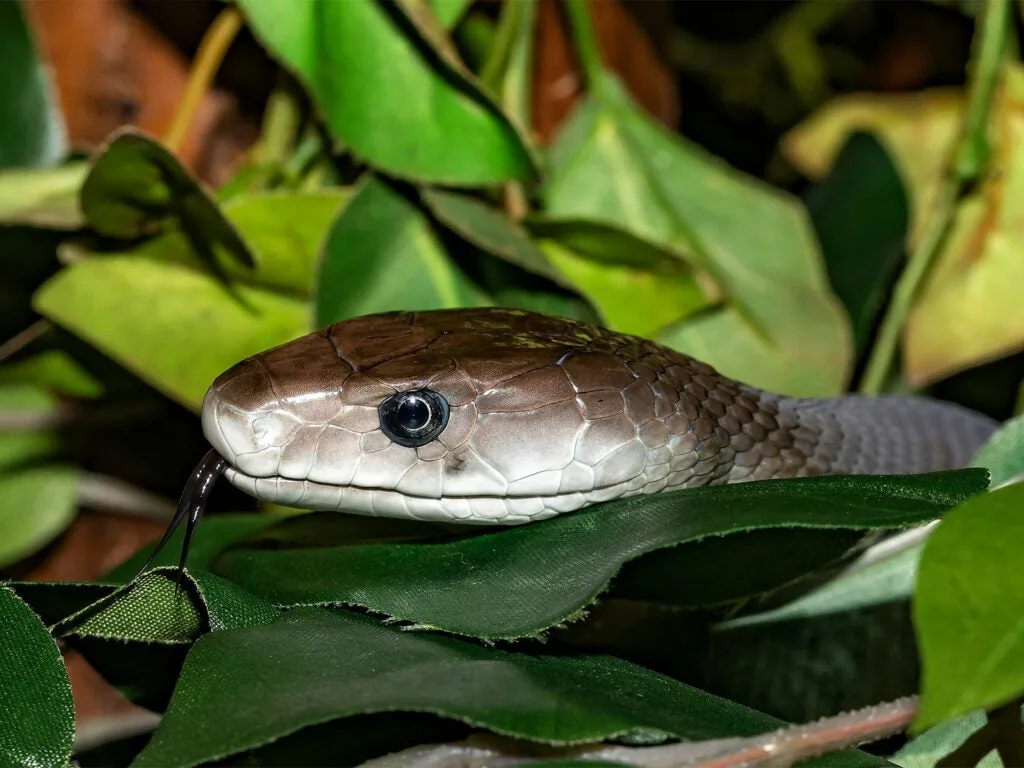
586, 44
494, 68
965, 164
281, 121
215, 43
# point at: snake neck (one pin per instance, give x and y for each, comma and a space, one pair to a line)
889, 434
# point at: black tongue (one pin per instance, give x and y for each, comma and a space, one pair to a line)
190, 507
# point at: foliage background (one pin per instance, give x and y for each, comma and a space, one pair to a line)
744, 183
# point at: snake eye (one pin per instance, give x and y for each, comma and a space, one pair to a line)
414, 418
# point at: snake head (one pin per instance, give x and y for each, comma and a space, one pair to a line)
479, 416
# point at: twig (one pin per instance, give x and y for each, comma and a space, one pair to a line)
113, 495
214, 46
778, 749
586, 45
493, 69
23, 338
965, 164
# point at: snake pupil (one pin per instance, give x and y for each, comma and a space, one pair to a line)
414, 414
414, 418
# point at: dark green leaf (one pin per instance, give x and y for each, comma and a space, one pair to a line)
391, 88
151, 611
522, 581
968, 605
381, 254
137, 188
782, 329
491, 231
862, 217
340, 664
882, 580
31, 127
37, 716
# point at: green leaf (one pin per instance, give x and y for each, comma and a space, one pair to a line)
861, 214
449, 12
137, 188
882, 580
54, 370
491, 231
42, 197
151, 611
1003, 454
37, 715
521, 581
381, 255
968, 607
285, 233
390, 86
782, 329
24, 446
340, 664
36, 505
931, 746
31, 126
174, 327
630, 299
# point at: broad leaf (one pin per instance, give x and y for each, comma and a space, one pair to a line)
491, 231
1003, 454
32, 129
369, 65
860, 212
137, 188
968, 606
36, 505
37, 715
521, 581
42, 197
931, 746
631, 299
148, 315
341, 664
782, 329
968, 311
381, 255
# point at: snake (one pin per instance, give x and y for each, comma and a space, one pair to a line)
496, 416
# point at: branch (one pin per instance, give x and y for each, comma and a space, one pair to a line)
778, 749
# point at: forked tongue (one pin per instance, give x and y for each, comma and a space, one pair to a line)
190, 508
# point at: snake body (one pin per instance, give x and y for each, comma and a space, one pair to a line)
498, 416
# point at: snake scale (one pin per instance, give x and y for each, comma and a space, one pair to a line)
501, 416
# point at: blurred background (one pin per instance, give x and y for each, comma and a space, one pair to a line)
756, 84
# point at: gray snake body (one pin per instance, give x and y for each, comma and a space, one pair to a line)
495, 416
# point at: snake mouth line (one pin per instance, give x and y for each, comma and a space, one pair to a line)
469, 509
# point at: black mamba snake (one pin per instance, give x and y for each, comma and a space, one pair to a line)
503, 417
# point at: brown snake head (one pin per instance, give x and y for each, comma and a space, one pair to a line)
500, 416
480, 416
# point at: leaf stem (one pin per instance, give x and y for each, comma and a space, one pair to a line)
965, 164
214, 46
494, 67
586, 44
